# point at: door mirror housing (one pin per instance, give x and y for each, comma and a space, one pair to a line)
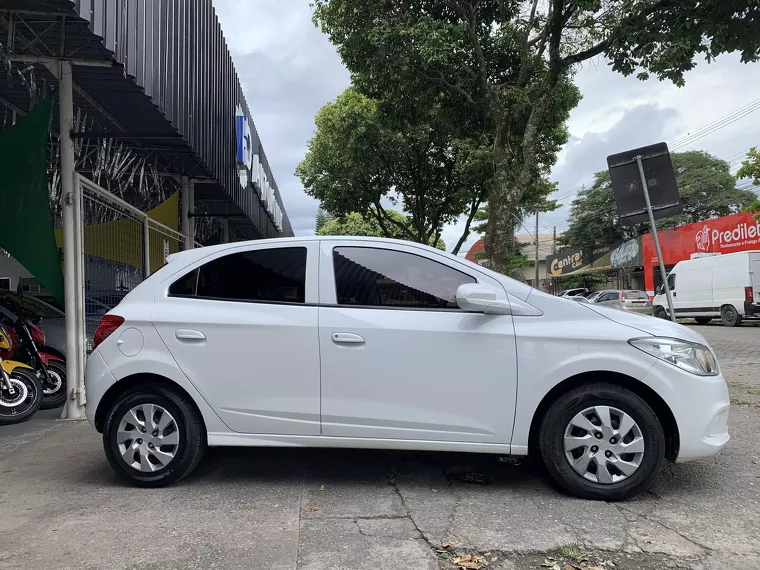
481, 298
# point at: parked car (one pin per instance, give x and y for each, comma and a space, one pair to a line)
636, 301
725, 286
593, 295
579, 299
376, 343
573, 292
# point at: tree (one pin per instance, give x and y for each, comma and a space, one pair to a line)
361, 156
356, 224
707, 189
322, 218
510, 65
751, 169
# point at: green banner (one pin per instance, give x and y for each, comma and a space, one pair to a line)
26, 223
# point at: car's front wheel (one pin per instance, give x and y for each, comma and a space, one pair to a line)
153, 436
602, 441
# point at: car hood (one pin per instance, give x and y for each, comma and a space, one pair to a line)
646, 324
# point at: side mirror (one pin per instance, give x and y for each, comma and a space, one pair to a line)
481, 298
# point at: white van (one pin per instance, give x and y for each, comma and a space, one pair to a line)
725, 286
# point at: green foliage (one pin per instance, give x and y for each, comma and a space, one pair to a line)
505, 68
707, 188
356, 224
322, 218
361, 155
587, 280
751, 169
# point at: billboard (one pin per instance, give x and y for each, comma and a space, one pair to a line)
729, 234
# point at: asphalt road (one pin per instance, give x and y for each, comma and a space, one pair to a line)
61, 506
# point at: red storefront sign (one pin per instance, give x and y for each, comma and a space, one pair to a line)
729, 234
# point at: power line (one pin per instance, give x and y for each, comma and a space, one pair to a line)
733, 163
702, 132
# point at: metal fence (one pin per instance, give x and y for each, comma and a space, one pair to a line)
120, 247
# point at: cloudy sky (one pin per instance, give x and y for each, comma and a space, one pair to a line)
289, 70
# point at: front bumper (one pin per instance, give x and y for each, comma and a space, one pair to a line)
700, 405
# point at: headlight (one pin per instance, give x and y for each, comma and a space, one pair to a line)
689, 356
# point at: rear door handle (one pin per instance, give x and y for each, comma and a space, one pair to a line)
347, 338
189, 334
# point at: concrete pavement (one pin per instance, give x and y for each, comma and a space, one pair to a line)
61, 506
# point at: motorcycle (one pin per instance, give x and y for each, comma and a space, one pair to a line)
20, 389
28, 346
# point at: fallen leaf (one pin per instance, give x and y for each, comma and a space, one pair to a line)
549, 563
594, 568
321, 487
447, 543
311, 509
572, 567
276, 506
436, 491
469, 561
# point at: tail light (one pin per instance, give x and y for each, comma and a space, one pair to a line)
622, 296
37, 335
748, 294
108, 324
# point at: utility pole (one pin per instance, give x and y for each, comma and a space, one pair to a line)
554, 241
537, 282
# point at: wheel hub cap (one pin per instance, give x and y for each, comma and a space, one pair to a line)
610, 459
148, 438
20, 393
55, 383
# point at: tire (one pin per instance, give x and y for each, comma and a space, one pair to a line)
703, 320
660, 313
610, 484
729, 316
28, 406
57, 398
190, 437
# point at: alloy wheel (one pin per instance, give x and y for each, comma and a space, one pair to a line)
148, 438
603, 444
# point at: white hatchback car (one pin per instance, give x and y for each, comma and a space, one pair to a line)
374, 343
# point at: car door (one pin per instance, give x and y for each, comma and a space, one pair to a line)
242, 326
400, 360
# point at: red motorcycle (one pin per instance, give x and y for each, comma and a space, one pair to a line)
28, 346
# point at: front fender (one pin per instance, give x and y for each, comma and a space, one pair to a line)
10, 365
549, 355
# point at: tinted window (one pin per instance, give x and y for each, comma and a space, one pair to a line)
386, 278
672, 281
184, 286
273, 275
614, 296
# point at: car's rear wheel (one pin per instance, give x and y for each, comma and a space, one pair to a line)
703, 320
729, 316
602, 441
153, 436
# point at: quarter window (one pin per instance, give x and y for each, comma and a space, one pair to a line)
267, 275
374, 277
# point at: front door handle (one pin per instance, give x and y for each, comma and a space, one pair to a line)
189, 334
347, 338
